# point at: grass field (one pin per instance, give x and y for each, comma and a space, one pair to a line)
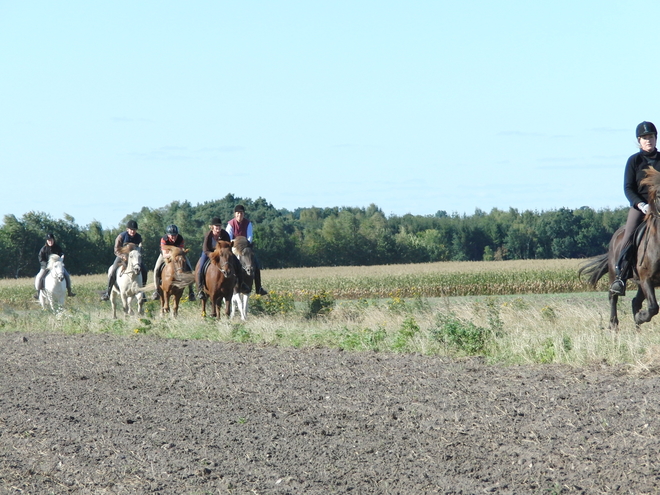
509, 312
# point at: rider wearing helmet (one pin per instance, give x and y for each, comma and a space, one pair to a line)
51, 247
215, 234
637, 195
171, 238
130, 235
239, 225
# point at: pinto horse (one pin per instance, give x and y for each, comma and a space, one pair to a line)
173, 280
646, 248
241, 248
54, 291
220, 278
129, 281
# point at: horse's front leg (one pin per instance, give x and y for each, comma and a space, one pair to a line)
164, 302
228, 307
126, 304
647, 291
614, 318
140, 302
175, 305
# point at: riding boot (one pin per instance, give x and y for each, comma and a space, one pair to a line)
191, 293
257, 282
622, 268
111, 282
68, 285
156, 295
201, 295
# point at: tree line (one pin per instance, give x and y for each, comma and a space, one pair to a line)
337, 236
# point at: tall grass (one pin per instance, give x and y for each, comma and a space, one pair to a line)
509, 329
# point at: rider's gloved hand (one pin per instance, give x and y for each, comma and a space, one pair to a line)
643, 207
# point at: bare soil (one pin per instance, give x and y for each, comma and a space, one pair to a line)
108, 414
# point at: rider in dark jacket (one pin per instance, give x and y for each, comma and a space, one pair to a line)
637, 195
51, 247
129, 236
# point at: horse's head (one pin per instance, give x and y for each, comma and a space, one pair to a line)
222, 257
56, 267
176, 255
133, 262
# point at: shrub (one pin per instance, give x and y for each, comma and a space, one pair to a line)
409, 328
462, 336
275, 303
320, 304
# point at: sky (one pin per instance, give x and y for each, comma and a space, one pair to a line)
414, 106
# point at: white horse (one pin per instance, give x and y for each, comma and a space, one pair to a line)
245, 255
54, 292
129, 283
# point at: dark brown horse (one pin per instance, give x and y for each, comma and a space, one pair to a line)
243, 251
173, 280
647, 266
220, 278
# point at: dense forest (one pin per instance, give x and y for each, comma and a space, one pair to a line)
323, 236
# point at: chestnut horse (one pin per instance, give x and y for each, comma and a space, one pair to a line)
241, 248
220, 278
173, 280
646, 248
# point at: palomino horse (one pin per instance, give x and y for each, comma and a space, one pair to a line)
173, 280
647, 266
129, 282
241, 248
54, 291
220, 278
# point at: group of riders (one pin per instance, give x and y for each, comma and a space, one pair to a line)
636, 193
237, 226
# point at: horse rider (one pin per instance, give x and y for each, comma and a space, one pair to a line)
637, 195
171, 238
216, 233
130, 235
241, 226
51, 247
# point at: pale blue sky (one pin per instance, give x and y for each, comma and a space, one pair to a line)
107, 107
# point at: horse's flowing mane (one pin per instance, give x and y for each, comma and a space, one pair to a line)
128, 248
240, 243
652, 181
222, 248
52, 259
174, 250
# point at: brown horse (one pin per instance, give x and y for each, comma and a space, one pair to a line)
173, 279
646, 247
220, 278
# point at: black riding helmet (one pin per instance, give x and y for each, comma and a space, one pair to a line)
50, 236
172, 230
131, 224
646, 128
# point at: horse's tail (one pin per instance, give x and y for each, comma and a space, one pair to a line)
594, 269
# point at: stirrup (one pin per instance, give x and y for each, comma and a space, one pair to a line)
618, 287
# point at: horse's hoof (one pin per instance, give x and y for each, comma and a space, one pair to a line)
203, 314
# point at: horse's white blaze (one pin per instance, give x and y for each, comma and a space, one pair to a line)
54, 292
129, 282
